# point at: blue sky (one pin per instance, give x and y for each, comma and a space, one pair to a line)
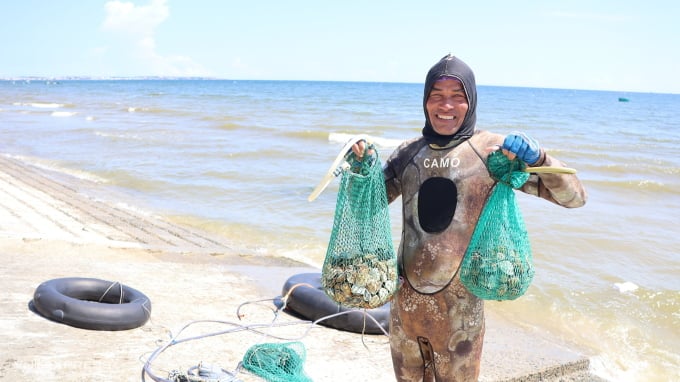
581, 44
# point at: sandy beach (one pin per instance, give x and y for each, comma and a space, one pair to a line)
50, 228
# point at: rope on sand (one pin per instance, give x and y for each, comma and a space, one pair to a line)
207, 373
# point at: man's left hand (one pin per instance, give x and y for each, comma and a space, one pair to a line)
521, 146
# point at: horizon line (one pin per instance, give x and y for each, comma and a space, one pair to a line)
211, 78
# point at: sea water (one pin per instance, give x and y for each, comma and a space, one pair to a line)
239, 158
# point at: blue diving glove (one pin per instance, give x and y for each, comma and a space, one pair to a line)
525, 147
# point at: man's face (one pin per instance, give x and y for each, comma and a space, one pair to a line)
447, 106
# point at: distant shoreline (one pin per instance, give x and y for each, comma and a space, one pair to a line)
57, 80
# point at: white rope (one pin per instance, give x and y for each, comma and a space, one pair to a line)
220, 375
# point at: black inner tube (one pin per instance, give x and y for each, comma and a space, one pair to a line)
94, 304
311, 303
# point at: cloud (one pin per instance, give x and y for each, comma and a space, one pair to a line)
128, 18
136, 27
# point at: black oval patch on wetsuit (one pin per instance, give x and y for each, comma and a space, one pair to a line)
437, 201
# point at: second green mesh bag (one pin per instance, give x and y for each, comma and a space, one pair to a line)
360, 267
498, 264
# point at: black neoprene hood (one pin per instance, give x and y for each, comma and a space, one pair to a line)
451, 66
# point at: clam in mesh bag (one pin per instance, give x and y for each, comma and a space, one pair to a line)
498, 264
360, 267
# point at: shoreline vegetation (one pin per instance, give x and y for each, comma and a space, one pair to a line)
50, 228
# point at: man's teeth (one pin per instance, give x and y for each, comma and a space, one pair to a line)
448, 117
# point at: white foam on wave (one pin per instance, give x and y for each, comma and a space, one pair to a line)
626, 287
63, 114
40, 105
47, 105
378, 141
611, 370
135, 109
117, 136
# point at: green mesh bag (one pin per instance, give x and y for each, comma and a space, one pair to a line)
277, 362
498, 264
360, 267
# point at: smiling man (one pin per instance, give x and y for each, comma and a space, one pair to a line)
437, 325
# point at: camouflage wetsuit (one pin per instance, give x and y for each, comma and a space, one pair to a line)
437, 326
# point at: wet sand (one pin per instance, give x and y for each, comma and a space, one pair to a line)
52, 226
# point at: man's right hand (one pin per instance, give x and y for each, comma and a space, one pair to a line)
359, 148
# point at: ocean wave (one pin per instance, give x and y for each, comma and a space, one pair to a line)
40, 105
307, 134
378, 141
230, 126
123, 136
647, 185
626, 287
610, 368
63, 114
630, 328
160, 111
631, 354
132, 181
57, 167
652, 162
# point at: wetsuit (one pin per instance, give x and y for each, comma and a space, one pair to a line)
437, 326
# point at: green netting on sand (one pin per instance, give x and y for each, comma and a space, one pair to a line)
498, 263
277, 362
360, 267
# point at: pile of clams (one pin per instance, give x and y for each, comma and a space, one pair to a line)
362, 281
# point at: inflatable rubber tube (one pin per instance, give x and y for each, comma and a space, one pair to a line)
92, 303
313, 304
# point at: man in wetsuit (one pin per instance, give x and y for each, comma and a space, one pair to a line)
437, 325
